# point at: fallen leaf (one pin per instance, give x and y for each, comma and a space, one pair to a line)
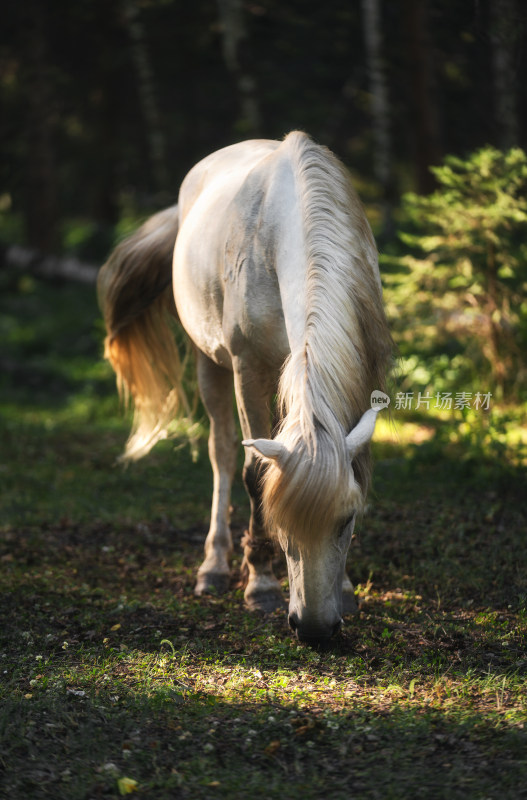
127, 785
304, 728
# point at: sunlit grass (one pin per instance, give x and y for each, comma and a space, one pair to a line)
219, 702
113, 676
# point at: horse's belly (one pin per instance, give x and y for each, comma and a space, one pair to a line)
200, 315
228, 322
199, 297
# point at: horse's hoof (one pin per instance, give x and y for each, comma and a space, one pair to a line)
211, 583
266, 601
349, 604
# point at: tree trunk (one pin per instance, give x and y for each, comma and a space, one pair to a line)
53, 267
41, 211
234, 35
147, 95
425, 127
380, 107
504, 31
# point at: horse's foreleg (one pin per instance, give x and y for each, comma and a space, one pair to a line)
262, 592
215, 386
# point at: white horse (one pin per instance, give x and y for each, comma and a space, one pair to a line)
273, 268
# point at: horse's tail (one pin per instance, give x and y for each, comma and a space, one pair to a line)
137, 301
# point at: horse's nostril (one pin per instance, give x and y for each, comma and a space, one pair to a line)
293, 624
336, 627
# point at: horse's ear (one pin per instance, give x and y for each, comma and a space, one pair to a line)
268, 449
362, 432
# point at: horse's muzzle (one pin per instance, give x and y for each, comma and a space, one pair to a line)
314, 635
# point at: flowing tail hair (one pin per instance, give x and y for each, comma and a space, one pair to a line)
136, 298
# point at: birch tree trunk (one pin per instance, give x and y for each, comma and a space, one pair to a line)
234, 36
147, 95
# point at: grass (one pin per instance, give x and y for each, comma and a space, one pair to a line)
114, 679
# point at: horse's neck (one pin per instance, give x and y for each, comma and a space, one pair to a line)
286, 223
294, 275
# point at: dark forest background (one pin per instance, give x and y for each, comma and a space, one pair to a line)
107, 104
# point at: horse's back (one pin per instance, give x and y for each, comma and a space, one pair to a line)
230, 164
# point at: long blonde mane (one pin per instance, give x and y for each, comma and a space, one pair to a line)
326, 384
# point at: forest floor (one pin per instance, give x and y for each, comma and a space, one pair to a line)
115, 679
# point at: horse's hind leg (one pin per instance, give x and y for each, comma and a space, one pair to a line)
215, 384
263, 592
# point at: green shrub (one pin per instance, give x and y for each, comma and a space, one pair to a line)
468, 291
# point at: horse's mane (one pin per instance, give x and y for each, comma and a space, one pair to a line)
326, 384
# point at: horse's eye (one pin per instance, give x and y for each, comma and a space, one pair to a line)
343, 528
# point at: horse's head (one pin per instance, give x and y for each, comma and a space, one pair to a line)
316, 559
